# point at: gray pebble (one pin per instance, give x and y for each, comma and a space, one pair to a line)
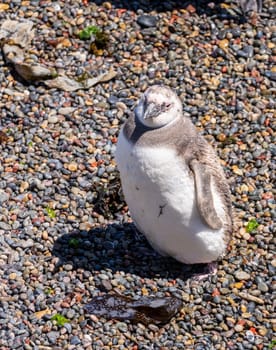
3, 196
70, 313
4, 226
146, 21
75, 340
68, 327
263, 287
246, 52
103, 276
242, 275
122, 327
53, 336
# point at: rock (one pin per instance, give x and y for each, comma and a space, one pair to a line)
19, 33
147, 21
236, 32
34, 72
242, 275
53, 336
238, 328
75, 340
121, 326
3, 196
53, 119
246, 52
251, 297
66, 110
68, 84
263, 287
4, 226
73, 167
71, 314
107, 285
270, 75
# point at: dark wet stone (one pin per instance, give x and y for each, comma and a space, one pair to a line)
113, 99
219, 317
236, 32
246, 52
147, 21
259, 34
222, 34
270, 75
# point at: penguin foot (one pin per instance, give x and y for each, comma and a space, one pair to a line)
208, 269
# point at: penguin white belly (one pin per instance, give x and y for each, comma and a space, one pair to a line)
159, 190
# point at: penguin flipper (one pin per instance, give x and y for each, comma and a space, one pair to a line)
204, 195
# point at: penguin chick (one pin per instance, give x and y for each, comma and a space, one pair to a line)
173, 182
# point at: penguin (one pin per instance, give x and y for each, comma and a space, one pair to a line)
172, 181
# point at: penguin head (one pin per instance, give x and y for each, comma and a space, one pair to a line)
158, 107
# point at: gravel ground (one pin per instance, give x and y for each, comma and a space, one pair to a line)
65, 233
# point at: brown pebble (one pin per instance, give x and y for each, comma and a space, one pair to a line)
73, 166
44, 235
250, 297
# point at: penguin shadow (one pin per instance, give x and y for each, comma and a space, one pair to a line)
202, 7
118, 248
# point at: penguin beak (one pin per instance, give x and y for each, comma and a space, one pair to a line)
152, 111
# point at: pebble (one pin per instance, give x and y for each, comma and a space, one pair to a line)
73, 167
236, 32
251, 297
263, 287
122, 327
242, 275
66, 110
65, 233
52, 336
107, 285
3, 196
53, 119
75, 340
146, 21
4, 226
270, 75
238, 328
246, 52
